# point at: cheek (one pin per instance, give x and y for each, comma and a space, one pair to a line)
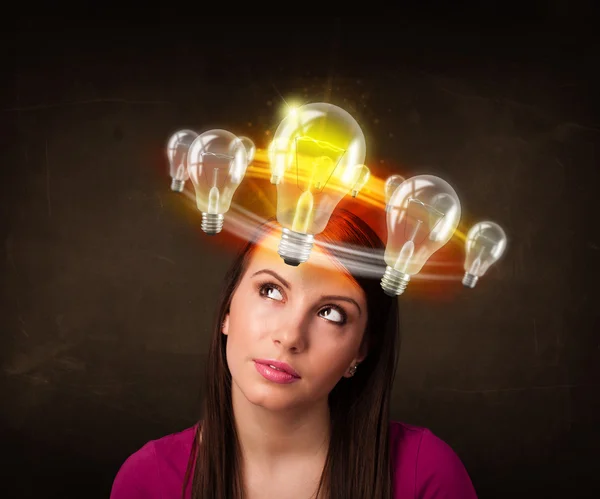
251, 310
249, 319
332, 356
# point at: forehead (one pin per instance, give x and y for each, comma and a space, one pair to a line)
320, 269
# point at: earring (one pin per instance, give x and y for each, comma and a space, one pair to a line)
353, 369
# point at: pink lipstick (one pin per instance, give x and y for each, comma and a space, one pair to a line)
277, 372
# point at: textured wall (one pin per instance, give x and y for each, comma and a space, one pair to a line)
108, 281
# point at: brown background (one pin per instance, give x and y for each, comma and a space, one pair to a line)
109, 284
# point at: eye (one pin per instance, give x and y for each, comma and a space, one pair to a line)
334, 314
271, 291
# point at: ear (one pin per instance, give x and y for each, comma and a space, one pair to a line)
363, 350
355, 363
362, 354
360, 358
225, 325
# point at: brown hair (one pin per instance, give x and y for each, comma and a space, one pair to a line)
358, 460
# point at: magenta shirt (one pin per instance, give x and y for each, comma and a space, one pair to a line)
425, 467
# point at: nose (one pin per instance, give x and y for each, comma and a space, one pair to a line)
292, 332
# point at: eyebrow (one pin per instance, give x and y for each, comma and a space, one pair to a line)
325, 297
275, 275
343, 298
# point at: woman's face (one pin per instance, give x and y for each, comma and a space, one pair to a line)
312, 317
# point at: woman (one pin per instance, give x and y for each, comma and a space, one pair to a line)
299, 377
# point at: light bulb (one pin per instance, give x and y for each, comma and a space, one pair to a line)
423, 215
177, 150
250, 148
217, 162
391, 184
361, 177
279, 158
486, 242
313, 157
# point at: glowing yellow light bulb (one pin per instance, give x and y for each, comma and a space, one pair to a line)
313, 159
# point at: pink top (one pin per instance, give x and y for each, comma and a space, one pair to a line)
425, 467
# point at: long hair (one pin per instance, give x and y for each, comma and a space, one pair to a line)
358, 460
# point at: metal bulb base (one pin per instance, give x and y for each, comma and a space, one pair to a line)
394, 282
469, 280
177, 185
295, 247
212, 223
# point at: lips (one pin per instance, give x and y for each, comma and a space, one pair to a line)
279, 366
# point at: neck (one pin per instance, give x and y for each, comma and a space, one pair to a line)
271, 439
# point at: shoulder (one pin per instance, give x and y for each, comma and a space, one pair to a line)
425, 466
158, 464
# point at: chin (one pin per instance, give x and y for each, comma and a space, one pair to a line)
272, 398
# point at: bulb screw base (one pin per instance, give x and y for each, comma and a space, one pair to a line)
295, 247
177, 185
394, 282
212, 223
469, 280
